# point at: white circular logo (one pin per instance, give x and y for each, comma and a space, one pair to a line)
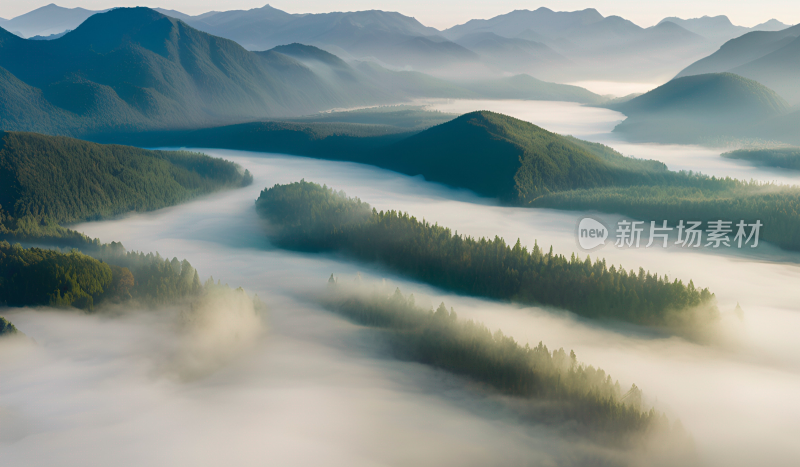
591, 233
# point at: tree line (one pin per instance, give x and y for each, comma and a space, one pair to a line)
47, 181
44, 277
776, 206
563, 388
308, 216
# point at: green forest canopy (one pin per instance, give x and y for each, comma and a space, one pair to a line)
308, 216
46, 181
492, 154
43, 277
777, 207
6, 328
785, 158
573, 391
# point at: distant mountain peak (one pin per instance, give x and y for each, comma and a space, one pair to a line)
771, 25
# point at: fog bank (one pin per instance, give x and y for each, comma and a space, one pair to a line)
311, 388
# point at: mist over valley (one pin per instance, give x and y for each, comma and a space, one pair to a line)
257, 236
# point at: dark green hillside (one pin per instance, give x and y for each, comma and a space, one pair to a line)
44, 277
46, 180
25, 107
491, 154
698, 108
500, 156
334, 140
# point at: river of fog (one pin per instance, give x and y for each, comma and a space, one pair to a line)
315, 389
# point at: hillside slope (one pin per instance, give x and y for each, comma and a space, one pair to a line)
47, 20
779, 70
696, 108
500, 156
594, 46
391, 37
133, 69
64, 180
769, 57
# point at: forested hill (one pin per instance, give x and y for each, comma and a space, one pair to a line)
544, 386
61, 180
308, 216
492, 154
700, 108
501, 156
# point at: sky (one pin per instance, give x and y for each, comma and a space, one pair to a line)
442, 14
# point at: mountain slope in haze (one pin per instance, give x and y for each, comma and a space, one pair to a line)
742, 50
768, 57
393, 38
512, 54
134, 69
560, 46
779, 70
720, 28
692, 108
543, 20
47, 20
415, 84
524, 86
597, 47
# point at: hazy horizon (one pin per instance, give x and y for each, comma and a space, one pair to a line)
443, 14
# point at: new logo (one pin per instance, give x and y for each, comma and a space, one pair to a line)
591, 233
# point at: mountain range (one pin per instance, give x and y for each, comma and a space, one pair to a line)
135, 69
547, 44
770, 57
47, 20
720, 28
552, 45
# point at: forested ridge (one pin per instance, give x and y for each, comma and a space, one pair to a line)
44, 277
492, 154
308, 216
46, 181
501, 156
564, 389
786, 158
776, 206
521, 164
